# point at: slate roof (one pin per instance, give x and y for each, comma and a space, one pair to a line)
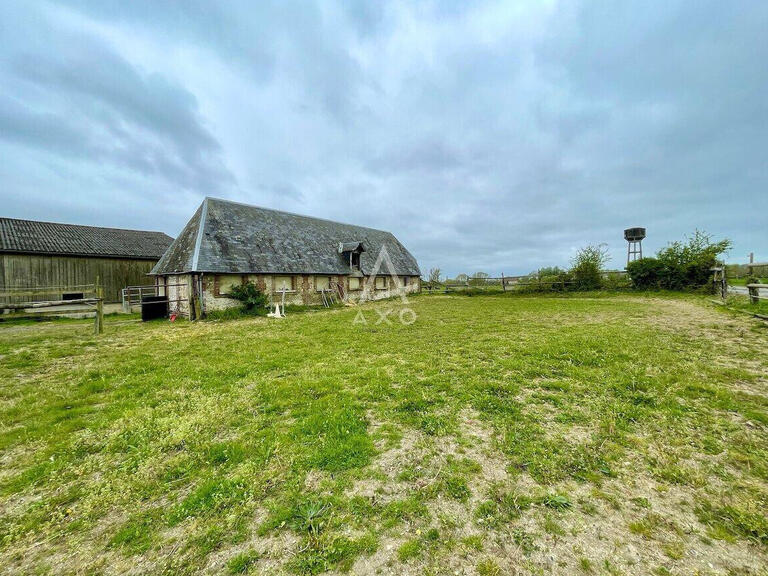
228, 237
32, 237
351, 247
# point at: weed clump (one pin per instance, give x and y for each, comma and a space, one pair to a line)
254, 301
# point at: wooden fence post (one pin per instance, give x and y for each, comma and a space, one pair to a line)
724, 284
98, 323
503, 285
190, 297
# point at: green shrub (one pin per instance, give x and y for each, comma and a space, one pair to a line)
552, 271
254, 301
548, 279
557, 283
587, 266
645, 273
679, 266
616, 281
554, 279
686, 265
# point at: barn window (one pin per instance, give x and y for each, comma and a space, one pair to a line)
381, 283
222, 285
322, 283
355, 260
406, 280
283, 282
354, 283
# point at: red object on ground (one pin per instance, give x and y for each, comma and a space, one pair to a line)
173, 318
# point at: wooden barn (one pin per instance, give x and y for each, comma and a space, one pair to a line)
50, 261
286, 255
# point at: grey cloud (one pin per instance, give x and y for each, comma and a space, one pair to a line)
42, 130
428, 155
85, 102
488, 135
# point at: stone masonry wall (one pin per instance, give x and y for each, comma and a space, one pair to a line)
303, 292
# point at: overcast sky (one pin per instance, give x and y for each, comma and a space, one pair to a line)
493, 136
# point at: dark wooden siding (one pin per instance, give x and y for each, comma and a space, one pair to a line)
19, 271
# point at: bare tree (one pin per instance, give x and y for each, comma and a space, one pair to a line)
434, 275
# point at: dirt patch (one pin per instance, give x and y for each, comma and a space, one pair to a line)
698, 320
480, 446
631, 524
633, 527
270, 553
383, 484
429, 457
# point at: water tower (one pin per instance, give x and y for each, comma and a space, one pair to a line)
634, 238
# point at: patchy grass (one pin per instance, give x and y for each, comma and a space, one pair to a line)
495, 434
743, 303
743, 281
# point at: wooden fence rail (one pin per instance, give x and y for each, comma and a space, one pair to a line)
98, 303
505, 282
754, 292
31, 291
22, 309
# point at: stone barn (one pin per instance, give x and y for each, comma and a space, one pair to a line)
57, 260
228, 243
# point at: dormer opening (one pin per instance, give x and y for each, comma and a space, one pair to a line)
351, 251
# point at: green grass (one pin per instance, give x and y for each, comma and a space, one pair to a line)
743, 281
744, 304
493, 427
243, 563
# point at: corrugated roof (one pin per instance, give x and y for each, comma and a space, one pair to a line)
30, 236
229, 237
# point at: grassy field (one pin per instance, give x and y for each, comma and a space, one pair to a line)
493, 435
743, 281
743, 304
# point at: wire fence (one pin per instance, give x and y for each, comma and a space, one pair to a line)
530, 282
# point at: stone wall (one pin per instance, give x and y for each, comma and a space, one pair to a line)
369, 291
303, 290
177, 292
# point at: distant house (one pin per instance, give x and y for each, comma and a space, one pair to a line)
62, 258
228, 243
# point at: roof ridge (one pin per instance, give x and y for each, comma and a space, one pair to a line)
199, 236
295, 214
82, 225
